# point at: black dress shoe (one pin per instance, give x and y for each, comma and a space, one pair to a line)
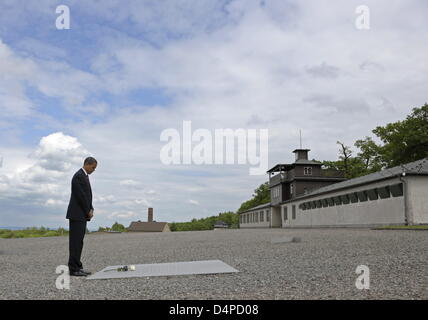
78, 273
87, 272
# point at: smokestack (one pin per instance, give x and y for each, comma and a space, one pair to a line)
150, 215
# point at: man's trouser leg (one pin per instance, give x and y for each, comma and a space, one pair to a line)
76, 235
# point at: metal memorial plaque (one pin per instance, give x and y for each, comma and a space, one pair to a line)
165, 269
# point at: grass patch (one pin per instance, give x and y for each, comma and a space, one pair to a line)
403, 227
32, 232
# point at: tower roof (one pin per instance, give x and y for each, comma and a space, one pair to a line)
296, 150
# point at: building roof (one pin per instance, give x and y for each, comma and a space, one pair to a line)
285, 166
220, 224
419, 167
280, 167
304, 161
147, 226
265, 205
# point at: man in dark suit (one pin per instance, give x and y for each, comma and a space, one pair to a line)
80, 211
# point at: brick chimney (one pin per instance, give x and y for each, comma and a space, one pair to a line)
150, 215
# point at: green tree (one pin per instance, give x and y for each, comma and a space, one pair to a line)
370, 155
405, 141
229, 217
118, 227
260, 196
173, 226
351, 166
345, 154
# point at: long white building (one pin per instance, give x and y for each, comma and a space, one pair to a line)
304, 195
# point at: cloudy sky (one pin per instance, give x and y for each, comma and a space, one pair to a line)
127, 70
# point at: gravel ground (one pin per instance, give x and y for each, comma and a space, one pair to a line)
321, 266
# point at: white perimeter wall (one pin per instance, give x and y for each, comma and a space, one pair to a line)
379, 212
417, 195
260, 224
388, 211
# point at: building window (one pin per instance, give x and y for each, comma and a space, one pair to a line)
396, 190
307, 171
372, 194
291, 189
276, 192
353, 197
293, 213
268, 215
262, 216
284, 209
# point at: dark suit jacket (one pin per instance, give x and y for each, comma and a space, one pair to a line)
81, 197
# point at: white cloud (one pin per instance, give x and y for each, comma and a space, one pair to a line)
48, 77
56, 156
59, 152
324, 71
55, 203
108, 199
143, 202
195, 202
129, 182
122, 214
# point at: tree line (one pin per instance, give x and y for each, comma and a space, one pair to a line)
231, 218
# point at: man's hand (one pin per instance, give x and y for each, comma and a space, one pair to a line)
90, 214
